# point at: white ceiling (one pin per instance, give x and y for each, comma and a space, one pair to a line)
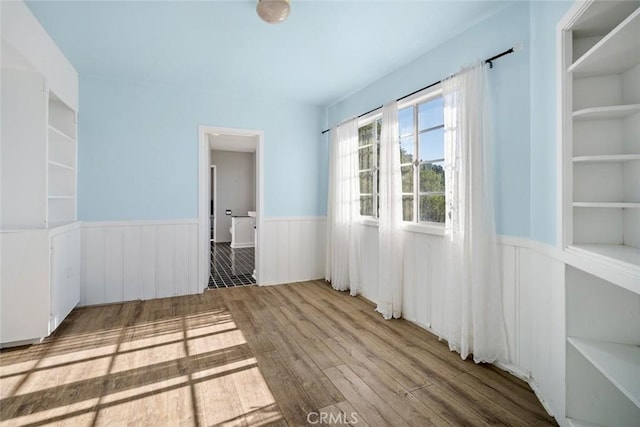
324, 51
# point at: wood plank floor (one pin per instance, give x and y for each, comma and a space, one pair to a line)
297, 354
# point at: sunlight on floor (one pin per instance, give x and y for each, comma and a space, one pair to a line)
192, 369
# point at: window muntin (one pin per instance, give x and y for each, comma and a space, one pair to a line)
368, 155
421, 133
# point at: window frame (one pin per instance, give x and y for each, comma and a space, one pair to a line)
375, 168
414, 101
420, 227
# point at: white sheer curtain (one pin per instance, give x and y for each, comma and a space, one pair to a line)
472, 318
342, 267
390, 218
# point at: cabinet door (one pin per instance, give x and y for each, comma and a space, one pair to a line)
24, 294
23, 146
65, 276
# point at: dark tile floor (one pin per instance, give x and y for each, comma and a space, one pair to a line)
231, 267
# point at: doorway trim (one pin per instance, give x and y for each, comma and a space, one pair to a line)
204, 194
214, 172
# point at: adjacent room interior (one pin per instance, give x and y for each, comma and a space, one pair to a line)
293, 212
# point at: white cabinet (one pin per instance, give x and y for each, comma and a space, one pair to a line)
242, 232
600, 137
65, 275
39, 235
40, 276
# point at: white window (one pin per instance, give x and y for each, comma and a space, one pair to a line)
368, 154
421, 133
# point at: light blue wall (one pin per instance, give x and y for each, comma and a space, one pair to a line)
138, 150
509, 81
544, 187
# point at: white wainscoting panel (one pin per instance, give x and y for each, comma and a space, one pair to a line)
294, 249
125, 261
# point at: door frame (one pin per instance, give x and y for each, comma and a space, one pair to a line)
204, 194
214, 172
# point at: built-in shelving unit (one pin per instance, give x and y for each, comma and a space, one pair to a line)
41, 240
614, 53
603, 351
61, 166
600, 90
604, 80
620, 363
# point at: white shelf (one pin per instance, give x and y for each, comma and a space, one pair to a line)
61, 197
62, 134
607, 158
626, 205
61, 165
626, 254
620, 363
612, 112
616, 52
601, 17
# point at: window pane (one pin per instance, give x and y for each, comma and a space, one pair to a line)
366, 182
379, 128
432, 208
366, 135
430, 114
407, 208
366, 156
431, 145
407, 178
366, 205
405, 121
432, 177
407, 149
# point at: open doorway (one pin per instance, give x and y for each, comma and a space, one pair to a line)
230, 206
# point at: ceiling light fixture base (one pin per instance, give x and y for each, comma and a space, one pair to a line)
273, 11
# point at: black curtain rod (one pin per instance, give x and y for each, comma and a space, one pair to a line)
486, 61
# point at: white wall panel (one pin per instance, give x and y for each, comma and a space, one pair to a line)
132, 269
294, 249
114, 265
508, 265
181, 260
434, 277
283, 260
165, 261
524, 310
297, 246
124, 261
148, 265
93, 266
410, 285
